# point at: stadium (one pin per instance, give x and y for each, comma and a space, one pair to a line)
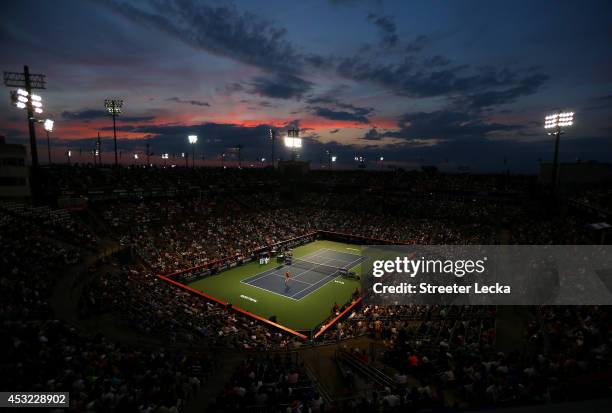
248, 207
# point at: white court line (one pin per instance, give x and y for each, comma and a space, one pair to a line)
263, 274
270, 291
272, 271
275, 275
314, 284
293, 279
340, 252
320, 286
354, 263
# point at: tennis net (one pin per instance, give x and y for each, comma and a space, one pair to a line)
316, 267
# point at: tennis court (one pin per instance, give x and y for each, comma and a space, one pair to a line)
308, 273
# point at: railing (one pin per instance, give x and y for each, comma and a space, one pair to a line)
372, 373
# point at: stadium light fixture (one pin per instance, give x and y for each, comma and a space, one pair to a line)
48, 125
293, 142
114, 107
557, 122
193, 139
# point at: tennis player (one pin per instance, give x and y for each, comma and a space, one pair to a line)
287, 276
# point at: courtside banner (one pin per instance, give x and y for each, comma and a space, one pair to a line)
487, 274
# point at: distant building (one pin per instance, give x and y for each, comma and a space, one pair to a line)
577, 174
14, 173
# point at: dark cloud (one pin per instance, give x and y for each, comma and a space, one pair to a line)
137, 118
443, 125
85, 114
231, 88
600, 102
338, 115
387, 29
334, 131
373, 135
280, 86
188, 102
266, 104
327, 106
484, 87
120, 128
607, 98
437, 60
447, 125
217, 28
524, 87
417, 44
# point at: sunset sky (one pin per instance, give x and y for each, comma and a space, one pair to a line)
428, 82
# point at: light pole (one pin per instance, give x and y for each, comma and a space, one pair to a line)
193, 139
148, 155
557, 122
98, 151
382, 159
239, 147
361, 159
272, 140
48, 125
223, 161
113, 107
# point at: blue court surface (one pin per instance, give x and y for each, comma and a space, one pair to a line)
307, 274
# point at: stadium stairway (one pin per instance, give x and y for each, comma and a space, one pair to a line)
321, 362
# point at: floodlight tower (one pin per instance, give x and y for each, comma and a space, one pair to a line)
557, 122
23, 99
293, 142
113, 107
48, 125
239, 148
328, 153
272, 134
193, 139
